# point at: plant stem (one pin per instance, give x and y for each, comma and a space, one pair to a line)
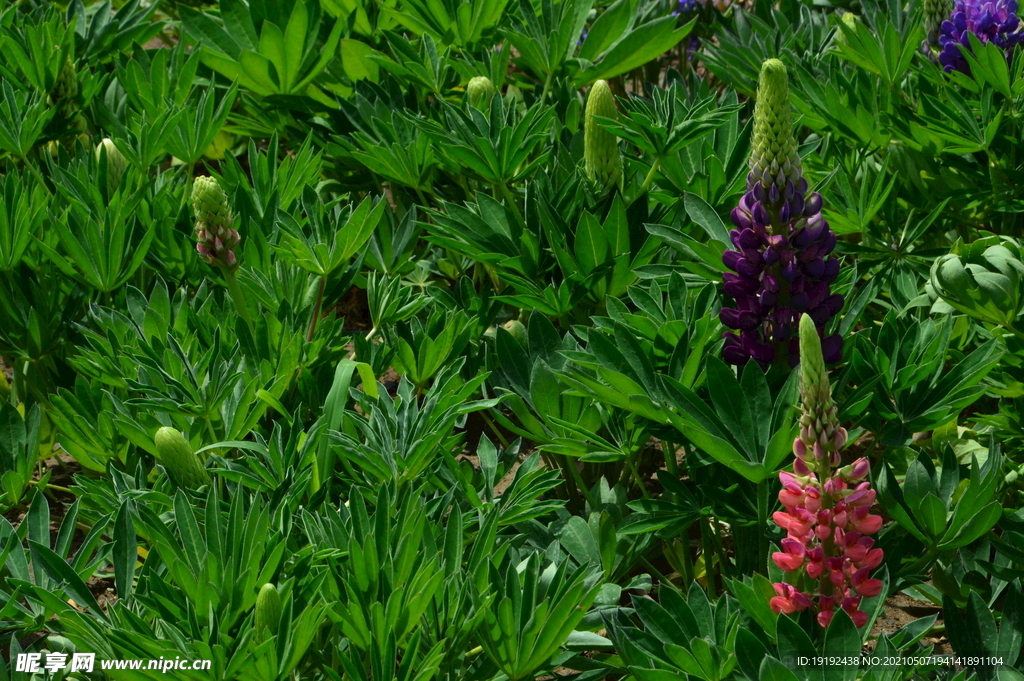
547, 86
636, 476
657, 574
668, 451
684, 543
512, 204
570, 481
239, 299
422, 198
1016, 332
494, 428
723, 564
762, 527
709, 575
578, 479
33, 483
316, 309
36, 174
650, 176
14, 380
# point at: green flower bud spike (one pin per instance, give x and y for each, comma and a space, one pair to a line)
774, 158
602, 162
268, 613
181, 463
820, 433
850, 19
479, 92
216, 240
116, 164
518, 331
214, 234
935, 12
65, 91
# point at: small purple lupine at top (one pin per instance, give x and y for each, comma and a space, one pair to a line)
781, 267
994, 21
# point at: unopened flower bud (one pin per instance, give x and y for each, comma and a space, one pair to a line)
179, 460
116, 163
479, 92
216, 238
268, 613
601, 159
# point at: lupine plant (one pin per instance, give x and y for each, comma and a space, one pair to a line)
487, 340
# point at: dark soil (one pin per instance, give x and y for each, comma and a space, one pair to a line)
901, 610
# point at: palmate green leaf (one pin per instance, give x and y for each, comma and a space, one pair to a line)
320, 253
893, 501
668, 123
956, 122
103, 33
533, 618
195, 133
153, 83
449, 22
496, 148
988, 64
882, 51
22, 119
36, 49
636, 48
99, 239
546, 36
208, 31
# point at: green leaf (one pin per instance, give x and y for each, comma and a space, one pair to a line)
125, 551
60, 572
704, 215
638, 47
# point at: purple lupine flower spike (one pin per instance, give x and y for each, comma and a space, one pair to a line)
782, 266
990, 21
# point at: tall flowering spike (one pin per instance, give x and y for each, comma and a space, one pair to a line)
826, 553
479, 92
781, 267
601, 158
216, 239
994, 21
